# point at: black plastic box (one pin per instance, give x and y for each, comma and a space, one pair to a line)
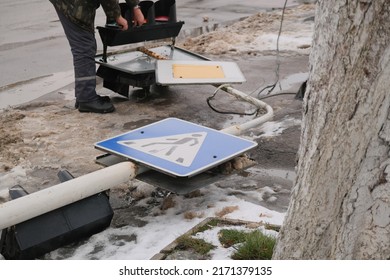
74, 222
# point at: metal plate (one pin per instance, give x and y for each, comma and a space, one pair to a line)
176, 185
176, 147
136, 62
166, 72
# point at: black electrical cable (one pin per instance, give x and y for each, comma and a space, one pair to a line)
272, 87
226, 112
269, 86
276, 94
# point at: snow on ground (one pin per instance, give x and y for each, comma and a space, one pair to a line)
258, 34
162, 229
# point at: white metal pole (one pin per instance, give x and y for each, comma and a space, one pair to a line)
239, 129
46, 200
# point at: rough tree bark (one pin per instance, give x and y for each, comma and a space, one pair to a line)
340, 205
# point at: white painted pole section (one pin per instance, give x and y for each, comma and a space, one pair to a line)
46, 200
239, 129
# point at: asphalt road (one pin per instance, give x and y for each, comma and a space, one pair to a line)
33, 45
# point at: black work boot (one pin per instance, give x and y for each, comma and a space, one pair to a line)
105, 98
100, 106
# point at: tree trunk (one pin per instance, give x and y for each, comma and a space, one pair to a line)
340, 204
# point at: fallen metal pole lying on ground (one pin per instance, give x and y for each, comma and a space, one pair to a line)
239, 129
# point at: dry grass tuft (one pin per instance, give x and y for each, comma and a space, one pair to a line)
226, 210
189, 215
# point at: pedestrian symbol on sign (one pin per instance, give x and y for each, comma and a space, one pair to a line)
180, 149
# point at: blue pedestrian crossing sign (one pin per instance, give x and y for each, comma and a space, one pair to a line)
176, 147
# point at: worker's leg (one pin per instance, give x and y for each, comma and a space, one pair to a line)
83, 48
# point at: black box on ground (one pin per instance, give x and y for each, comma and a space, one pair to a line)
40, 235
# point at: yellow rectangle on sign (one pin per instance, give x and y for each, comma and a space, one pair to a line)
187, 71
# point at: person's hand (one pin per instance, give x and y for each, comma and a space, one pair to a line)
138, 17
121, 21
